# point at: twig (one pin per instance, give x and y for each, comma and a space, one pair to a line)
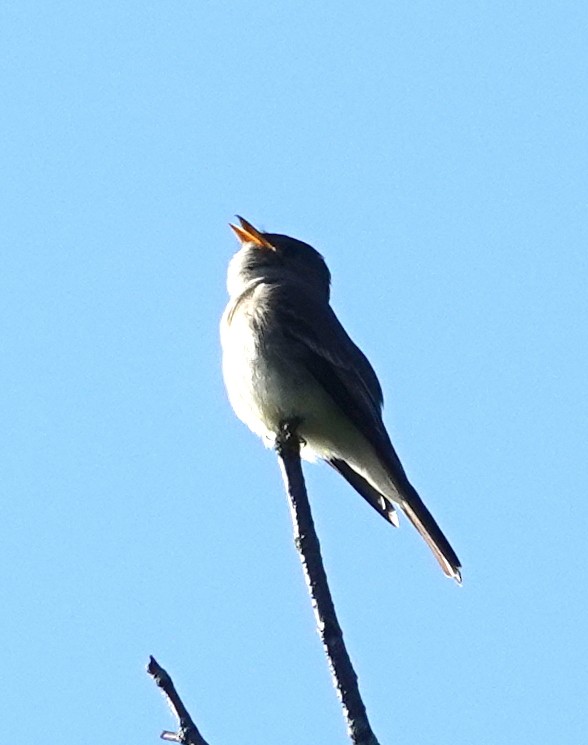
308, 546
187, 733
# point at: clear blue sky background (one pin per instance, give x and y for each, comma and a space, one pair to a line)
436, 153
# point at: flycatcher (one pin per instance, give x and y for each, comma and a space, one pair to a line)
287, 357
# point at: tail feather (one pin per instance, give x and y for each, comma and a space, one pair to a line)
414, 508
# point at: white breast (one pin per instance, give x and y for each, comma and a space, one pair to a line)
263, 388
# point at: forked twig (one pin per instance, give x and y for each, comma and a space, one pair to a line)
188, 733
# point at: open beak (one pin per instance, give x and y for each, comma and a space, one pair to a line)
246, 233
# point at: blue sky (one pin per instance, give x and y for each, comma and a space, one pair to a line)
436, 154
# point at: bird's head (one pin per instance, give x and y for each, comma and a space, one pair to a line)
275, 257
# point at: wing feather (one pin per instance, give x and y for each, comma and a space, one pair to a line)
343, 371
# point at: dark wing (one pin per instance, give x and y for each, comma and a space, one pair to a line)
382, 506
340, 367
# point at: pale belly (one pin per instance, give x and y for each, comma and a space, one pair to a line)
266, 390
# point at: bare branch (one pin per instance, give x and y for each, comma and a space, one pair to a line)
188, 733
308, 546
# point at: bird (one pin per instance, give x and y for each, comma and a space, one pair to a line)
286, 357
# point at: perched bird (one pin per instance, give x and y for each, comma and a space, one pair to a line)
286, 356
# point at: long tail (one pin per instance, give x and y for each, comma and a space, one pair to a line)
414, 508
